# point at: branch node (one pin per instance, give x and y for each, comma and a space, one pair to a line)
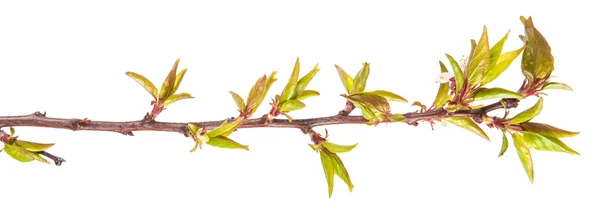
78, 123
148, 118
306, 129
512, 103
75, 124
315, 137
185, 131
38, 114
478, 118
347, 109
264, 119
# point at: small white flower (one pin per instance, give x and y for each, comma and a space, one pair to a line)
443, 77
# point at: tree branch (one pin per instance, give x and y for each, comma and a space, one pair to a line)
128, 127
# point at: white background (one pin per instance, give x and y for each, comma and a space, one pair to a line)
69, 59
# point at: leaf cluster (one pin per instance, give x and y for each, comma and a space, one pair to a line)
294, 92
374, 105
537, 63
23, 151
218, 137
527, 135
167, 94
332, 164
255, 96
483, 66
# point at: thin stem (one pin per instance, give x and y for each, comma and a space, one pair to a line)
57, 160
128, 127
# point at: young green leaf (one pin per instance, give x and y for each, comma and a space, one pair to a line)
340, 170
496, 50
290, 88
256, 93
471, 56
196, 145
204, 138
547, 130
291, 105
33, 146
524, 154
556, 85
289, 118
529, 113
501, 65
336, 148
198, 139
18, 153
389, 96
540, 142
225, 129
193, 129
347, 81
442, 96
167, 87
177, 97
504, 144
145, 83
367, 112
458, 74
537, 57
468, 124
328, 168
239, 102
493, 93
224, 142
178, 79
360, 79
480, 60
270, 81
37, 157
314, 147
303, 82
307, 93
523, 20
529, 77
370, 100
